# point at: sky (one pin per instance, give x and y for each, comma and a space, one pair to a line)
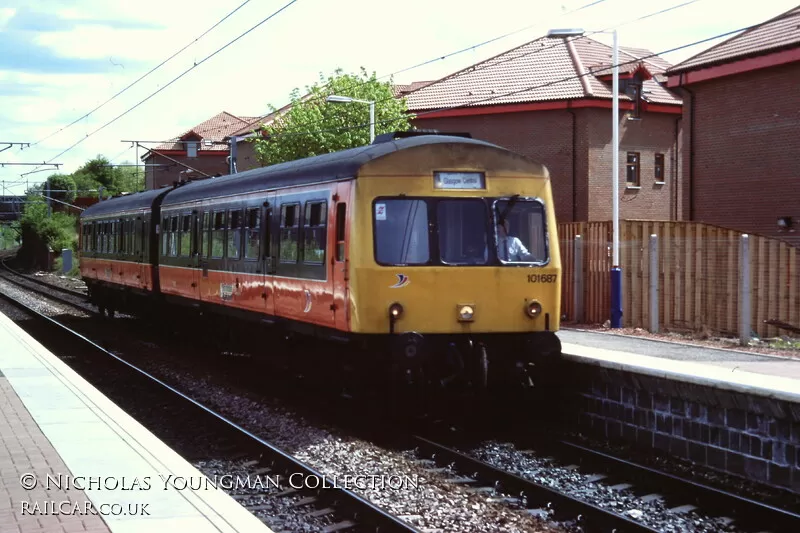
58, 63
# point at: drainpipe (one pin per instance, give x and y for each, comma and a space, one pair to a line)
676, 166
692, 108
574, 159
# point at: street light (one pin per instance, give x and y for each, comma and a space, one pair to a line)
346, 100
616, 270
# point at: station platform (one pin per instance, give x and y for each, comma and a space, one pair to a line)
771, 376
54, 423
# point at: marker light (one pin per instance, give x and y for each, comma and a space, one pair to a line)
533, 309
395, 310
466, 313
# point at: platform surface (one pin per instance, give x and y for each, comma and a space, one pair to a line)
54, 422
769, 375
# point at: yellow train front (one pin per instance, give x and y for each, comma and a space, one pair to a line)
454, 265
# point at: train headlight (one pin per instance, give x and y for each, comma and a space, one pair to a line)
533, 309
395, 310
466, 313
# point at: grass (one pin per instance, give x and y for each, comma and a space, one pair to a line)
75, 272
785, 344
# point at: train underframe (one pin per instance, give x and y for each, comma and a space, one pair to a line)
409, 368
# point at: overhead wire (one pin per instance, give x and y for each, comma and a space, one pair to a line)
223, 19
492, 40
532, 87
561, 42
472, 47
469, 70
194, 66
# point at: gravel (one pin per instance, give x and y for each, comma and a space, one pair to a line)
426, 501
423, 499
653, 513
38, 303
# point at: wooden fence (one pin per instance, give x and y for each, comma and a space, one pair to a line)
698, 276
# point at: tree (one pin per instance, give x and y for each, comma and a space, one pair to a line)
61, 187
313, 126
93, 174
127, 179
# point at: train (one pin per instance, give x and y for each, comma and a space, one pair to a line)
422, 260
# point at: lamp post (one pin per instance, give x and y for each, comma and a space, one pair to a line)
616, 270
346, 100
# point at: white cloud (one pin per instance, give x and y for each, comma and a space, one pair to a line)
310, 37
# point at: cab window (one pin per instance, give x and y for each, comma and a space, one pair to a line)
401, 231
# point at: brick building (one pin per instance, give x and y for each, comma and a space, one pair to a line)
550, 99
742, 130
203, 148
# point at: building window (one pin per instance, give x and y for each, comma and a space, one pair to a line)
634, 90
191, 149
659, 168
632, 174
315, 233
288, 245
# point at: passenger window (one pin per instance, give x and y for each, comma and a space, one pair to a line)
164, 236
173, 236
289, 226
252, 232
235, 235
314, 233
341, 220
115, 236
131, 236
205, 219
186, 236
218, 235
123, 237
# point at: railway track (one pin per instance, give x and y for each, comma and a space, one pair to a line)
681, 495
43, 288
538, 499
745, 513
331, 508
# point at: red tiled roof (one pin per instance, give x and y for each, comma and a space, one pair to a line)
402, 89
254, 123
556, 70
779, 32
214, 129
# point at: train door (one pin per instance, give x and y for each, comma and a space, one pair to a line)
204, 253
340, 263
268, 260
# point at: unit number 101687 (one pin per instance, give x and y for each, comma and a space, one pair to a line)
542, 278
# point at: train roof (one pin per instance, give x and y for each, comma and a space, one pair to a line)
121, 204
318, 169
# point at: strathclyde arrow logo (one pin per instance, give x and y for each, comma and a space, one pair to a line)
402, 281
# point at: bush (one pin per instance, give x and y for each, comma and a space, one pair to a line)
41, 231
